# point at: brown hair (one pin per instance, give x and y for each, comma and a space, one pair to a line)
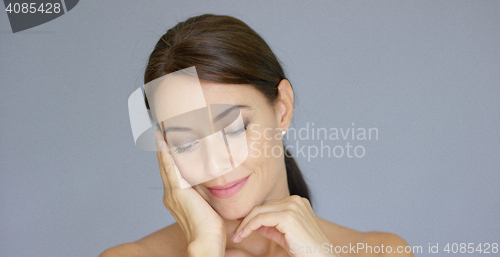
225, 50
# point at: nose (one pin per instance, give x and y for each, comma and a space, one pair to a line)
217, 158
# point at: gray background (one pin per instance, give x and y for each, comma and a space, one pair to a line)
425, 73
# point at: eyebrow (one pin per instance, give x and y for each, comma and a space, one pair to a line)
226, 112
176, 129
220, 116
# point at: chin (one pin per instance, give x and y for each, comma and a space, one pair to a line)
232, 216
233, 211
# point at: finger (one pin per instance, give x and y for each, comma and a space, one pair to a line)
166, 184
274, 219
289, 203
273, 234
174, 177
166, 163
161, 165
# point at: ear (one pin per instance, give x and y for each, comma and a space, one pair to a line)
284, 105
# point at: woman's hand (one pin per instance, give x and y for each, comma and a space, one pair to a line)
290, 221
203, 227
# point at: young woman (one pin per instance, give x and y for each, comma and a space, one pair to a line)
260, 208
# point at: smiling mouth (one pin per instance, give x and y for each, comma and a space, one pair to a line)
228, 190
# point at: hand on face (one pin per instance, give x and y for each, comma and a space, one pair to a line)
195, 216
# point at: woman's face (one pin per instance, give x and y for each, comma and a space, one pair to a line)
264, 164
261, 175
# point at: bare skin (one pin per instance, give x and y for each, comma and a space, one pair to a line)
172, 240
260, 220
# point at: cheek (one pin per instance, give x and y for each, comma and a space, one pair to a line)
264, 135
188, 168
210, 159
265, 147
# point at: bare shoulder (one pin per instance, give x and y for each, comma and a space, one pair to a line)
127, 249
356, 243
169, 240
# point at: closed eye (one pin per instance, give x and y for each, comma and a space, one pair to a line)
186, 147
237, 132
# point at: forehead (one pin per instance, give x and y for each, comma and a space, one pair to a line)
174, 95
179, 94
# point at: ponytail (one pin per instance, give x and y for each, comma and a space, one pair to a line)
296, 183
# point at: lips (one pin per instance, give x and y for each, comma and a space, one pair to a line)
229, 189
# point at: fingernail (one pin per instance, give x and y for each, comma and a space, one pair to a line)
159, 144
232, 235
236, 237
